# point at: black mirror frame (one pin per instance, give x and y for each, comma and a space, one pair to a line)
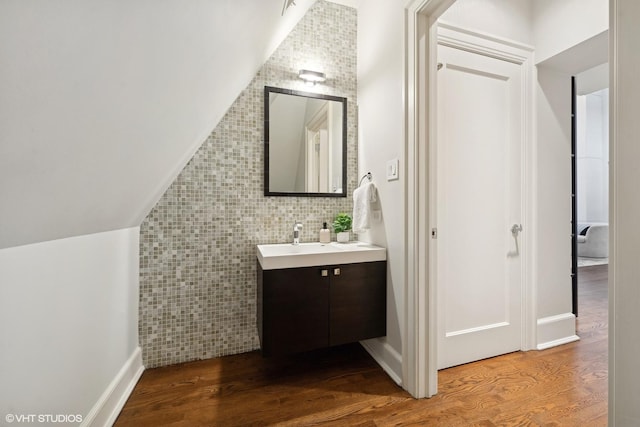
271, 89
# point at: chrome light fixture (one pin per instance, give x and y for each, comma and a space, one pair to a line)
287, 4
312, 77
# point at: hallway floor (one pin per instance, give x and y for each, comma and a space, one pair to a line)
561, 386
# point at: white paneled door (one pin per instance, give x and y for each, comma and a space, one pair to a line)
479, 206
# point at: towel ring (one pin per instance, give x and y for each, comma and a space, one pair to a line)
366, 175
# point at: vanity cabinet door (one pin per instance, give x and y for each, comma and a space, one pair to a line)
357, 302
292, 310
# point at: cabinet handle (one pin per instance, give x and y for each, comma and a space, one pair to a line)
336, 271
324, 273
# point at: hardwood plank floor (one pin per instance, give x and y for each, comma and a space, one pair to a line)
343, 386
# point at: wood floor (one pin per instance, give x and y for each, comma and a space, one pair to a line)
562, 386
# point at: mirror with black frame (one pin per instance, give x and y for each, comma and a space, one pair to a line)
305, 138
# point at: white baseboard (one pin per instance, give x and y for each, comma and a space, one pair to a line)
386, 356
108, 407
556, 330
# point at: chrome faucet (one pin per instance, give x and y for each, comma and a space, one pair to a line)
296, 233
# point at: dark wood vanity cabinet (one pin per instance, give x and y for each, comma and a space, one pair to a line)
357, 302
302, 309
292, 310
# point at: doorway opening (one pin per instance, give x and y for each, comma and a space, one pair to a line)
590, 177
422, 306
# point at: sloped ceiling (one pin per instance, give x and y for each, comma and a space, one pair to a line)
102, 103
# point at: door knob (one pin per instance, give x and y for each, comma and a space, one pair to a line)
516, 229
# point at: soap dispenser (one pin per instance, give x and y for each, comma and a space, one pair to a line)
325, 234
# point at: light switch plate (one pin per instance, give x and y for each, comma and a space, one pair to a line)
392, 169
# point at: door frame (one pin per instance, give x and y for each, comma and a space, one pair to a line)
419, 368
574, 200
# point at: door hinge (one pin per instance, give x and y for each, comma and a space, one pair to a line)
434, 233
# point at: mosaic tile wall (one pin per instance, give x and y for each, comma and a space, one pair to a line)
197, 245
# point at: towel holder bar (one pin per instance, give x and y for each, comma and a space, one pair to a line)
366, 175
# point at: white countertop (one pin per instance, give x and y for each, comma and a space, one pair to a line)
287, 255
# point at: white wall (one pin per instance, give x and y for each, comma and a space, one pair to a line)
503, 18
69, 324
570, 37
594, 79
380, 138
103, 103
624, 269
592, 157
553, 150
560, 25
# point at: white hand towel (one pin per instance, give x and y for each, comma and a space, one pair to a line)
365, 207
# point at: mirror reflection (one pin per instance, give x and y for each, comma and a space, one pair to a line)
305, 144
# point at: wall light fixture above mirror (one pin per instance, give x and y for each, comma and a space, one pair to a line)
305, 138
311, 77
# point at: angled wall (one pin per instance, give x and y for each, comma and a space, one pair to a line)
103, 103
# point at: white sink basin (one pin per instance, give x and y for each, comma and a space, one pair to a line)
286, 255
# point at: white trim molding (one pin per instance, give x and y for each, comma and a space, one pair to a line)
108, 407
418, 348
616, 128
556, 330
483, 44
386, 356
